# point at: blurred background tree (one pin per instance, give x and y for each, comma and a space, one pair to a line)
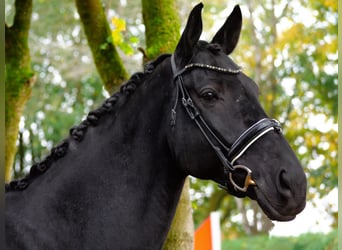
19, 76
288, 48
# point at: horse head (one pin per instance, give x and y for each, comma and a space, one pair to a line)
219, 129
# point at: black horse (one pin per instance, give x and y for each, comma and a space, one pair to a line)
114, 183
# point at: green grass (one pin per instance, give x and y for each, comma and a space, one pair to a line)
303, 242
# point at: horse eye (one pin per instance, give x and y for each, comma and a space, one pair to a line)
209, 95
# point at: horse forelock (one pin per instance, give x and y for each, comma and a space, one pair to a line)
78, 132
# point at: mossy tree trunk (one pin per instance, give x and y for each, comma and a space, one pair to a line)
162, 34
99, 36
162, 26
19, 77
181, 234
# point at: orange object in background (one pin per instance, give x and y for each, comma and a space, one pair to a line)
208, 234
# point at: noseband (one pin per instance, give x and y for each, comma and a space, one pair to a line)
239, 147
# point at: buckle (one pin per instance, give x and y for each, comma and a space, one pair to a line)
248, 179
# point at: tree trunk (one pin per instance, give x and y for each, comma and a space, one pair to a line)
19, 77
162, 34
99, 36
162, 26
181, 233
20, 155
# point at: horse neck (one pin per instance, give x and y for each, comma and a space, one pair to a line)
121, 180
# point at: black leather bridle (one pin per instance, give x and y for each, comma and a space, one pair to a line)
241, 144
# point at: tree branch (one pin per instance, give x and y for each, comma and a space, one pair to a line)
106, 58
284, 12
22, 18
16, 36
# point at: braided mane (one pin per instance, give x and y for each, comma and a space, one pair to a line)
78, 132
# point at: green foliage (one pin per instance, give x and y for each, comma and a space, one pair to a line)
120, 37
303, 242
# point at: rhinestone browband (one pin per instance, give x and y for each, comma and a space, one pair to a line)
211, 67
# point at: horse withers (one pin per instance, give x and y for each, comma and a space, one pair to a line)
114, 183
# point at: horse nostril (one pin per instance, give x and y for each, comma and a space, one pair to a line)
283, 180
283, 185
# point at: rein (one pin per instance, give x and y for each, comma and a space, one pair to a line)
239, 147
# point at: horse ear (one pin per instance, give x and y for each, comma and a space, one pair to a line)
190, 37
228, 35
